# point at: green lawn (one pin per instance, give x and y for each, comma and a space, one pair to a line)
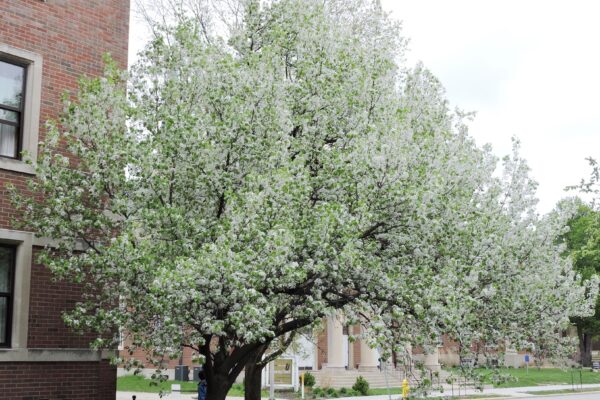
136, 383
383, 391
545, 376
535, 377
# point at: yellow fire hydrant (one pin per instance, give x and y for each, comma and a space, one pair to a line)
405, 388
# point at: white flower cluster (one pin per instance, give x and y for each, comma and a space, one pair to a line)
237, 187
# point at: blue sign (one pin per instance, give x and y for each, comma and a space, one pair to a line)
526, 358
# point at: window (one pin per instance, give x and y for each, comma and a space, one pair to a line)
7, 274
12, 91
20, 98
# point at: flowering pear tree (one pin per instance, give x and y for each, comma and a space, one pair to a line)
522, 278
494, 272
248, 179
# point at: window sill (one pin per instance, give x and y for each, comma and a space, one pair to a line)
16, 165
53, 355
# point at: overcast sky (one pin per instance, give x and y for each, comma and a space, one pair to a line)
529, 69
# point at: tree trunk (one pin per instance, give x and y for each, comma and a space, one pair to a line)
585, 347
252, 381
223, 367
217, 387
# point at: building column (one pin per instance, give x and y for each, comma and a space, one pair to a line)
369, 357
315, 352
511, 356
351, 347
432, 361
335, 346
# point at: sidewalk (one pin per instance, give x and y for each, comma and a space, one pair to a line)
154, 396
505, 392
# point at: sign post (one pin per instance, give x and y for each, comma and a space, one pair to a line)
283, 374
272, 380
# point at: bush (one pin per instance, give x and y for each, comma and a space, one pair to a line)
361, 386
331, 392
238, 386
318, 392
343, 391
309, 379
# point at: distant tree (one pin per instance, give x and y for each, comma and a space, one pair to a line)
583, 246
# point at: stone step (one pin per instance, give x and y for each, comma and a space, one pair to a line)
347, 378
376, 378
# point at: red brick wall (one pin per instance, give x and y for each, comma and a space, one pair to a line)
322, 347
72, 36
57, 381
47, 302
168, 363
356, 346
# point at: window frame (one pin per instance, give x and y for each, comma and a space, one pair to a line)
31, 105
20, 110
9, 296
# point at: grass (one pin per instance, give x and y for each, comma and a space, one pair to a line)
137, 383
384, 391
533, 377
544, 376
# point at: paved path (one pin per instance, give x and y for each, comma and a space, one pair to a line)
565, 396
512, 393
154, 396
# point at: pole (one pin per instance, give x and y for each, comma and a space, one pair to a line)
272, 379
387, 384
572, 381
302, 384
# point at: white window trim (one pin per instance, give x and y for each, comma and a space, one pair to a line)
21, 291
31, 109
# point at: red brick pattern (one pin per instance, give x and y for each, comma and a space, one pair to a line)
57, 381
48, 300
71, 36
140, 355
322, 347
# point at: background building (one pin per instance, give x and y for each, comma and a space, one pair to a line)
45, 46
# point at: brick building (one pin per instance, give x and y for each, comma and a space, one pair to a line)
45, 45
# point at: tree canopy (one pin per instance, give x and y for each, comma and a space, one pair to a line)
247, 179
583, 247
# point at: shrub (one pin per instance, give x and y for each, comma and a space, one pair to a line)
309, 379
318, 392
361, 386
343, 391
238, 386
331, 392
